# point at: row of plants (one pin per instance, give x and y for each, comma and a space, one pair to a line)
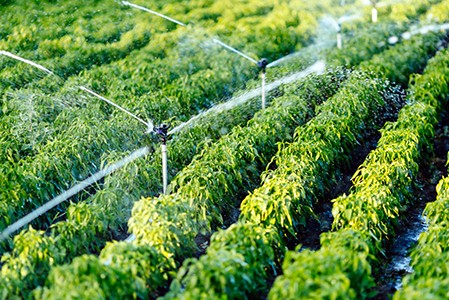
366, 219
178, 217
306, 170
404, 11
437, 13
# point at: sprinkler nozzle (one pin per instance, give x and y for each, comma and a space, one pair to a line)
339, 27
162, 131
263, 63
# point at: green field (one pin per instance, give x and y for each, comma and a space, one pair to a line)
322, 194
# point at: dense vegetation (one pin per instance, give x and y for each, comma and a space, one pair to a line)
245, 183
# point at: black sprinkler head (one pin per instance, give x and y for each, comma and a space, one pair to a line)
162, 130
263, 63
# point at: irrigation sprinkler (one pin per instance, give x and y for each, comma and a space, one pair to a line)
153, 12
262, 64
339, 38
374, 11
162, 131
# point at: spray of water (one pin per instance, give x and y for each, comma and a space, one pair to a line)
27, 61
149, 124
422, 30
315, 68
235, 50
153, 12
72, 191
325, 39
349, 18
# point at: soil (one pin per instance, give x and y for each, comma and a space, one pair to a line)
311, 238
397, 261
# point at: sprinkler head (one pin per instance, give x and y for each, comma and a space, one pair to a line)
339, 27
162, 131
263, 63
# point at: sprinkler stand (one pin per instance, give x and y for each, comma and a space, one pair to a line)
339, 38
263, 65
374, 14
162, 131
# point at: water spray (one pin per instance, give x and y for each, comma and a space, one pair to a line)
162, 131
153, 12
27, 61
262, 64
71, 192
149, 125
235, 51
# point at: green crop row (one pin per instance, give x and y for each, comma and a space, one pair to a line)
366, 218
437, 13
404, 11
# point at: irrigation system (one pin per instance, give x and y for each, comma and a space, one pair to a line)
161, 130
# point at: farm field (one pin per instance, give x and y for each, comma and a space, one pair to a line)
224, 149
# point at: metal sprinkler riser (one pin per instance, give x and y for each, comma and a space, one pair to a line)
263, 63
162, 131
